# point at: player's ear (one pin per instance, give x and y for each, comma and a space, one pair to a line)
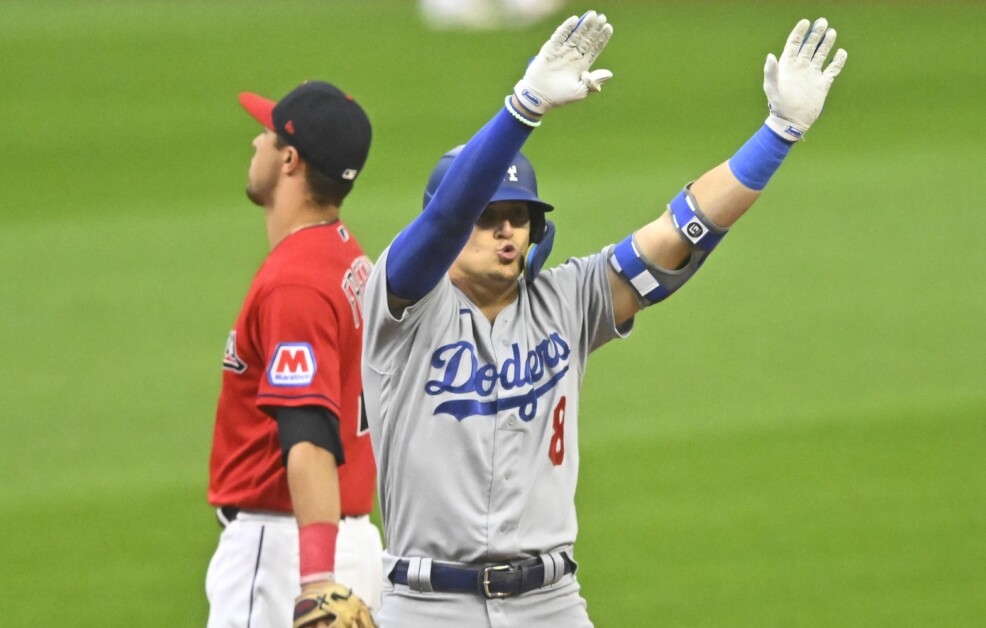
291, 159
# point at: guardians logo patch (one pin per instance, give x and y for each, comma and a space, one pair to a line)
231, 361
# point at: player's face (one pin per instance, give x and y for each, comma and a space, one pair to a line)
265, 169
496, 249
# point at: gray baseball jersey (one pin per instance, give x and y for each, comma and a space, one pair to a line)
475, 425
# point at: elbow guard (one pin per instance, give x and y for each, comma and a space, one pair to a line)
653, 283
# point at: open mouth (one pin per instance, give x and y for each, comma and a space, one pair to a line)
507, 253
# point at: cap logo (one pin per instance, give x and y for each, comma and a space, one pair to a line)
289, 127
349, 174
512, 173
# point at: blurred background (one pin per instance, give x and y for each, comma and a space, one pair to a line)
795, 439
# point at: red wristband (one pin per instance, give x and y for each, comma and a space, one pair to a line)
317, 550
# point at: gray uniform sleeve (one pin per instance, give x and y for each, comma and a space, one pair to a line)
581, 285
387, 340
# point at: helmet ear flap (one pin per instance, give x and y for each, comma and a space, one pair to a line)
538, 254
538, 225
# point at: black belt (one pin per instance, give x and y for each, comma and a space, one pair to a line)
494, 580
228, 514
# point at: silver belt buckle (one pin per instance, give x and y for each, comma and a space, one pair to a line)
490, 595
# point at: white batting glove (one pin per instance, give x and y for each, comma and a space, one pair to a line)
559, 74
796, 85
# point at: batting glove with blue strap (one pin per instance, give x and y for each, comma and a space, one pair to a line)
559, 74
796, 85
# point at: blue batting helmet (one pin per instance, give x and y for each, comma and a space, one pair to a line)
519, 184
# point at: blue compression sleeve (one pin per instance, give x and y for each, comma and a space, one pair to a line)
424, 251
757, 160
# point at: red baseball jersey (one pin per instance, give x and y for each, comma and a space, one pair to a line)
296, 342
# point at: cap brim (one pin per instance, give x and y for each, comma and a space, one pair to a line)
262, 109
511, 193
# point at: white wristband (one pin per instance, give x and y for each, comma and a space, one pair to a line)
521, 118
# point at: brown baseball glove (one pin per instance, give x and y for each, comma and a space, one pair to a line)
331, 605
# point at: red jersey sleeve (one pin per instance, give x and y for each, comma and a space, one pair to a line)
300, 338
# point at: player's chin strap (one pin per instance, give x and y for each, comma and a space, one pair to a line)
538, 254
652, 283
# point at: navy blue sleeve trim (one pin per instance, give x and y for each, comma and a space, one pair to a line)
268, 404
424, 251
311, 424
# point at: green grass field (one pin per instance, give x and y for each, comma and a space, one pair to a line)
794, 440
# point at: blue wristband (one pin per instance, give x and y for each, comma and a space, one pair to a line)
757, 160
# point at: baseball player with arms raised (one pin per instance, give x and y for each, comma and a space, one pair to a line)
474, 358
292, 473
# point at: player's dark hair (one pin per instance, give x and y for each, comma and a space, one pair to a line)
324, 191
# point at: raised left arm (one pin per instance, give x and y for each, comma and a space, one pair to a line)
652, 263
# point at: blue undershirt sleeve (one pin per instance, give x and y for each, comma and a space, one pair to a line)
423, 252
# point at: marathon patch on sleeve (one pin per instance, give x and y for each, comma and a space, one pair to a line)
293, 365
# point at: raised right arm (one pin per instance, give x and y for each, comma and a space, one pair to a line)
424, 251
